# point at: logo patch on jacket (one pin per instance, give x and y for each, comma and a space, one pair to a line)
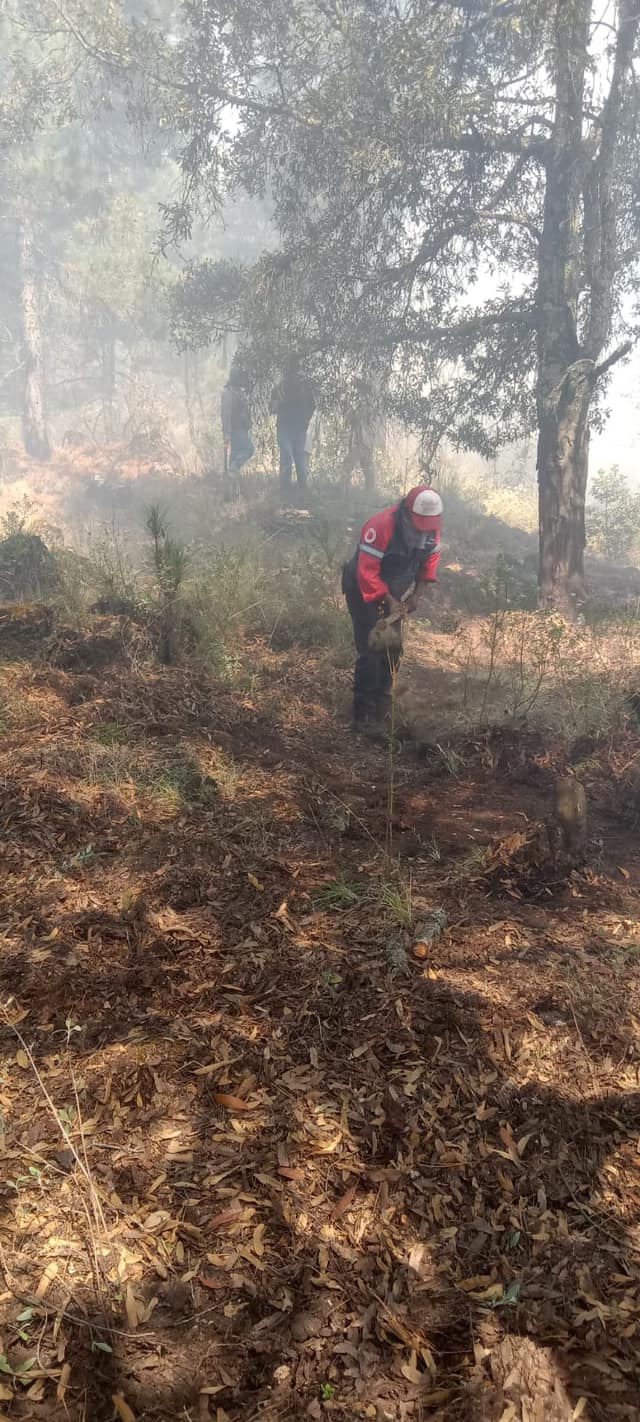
370, 535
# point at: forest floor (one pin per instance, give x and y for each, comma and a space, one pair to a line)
259, 1159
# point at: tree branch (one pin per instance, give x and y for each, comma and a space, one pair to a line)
617, 355
519, 144
600, 185
522, 312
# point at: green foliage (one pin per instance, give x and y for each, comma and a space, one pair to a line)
18, 518
338, 894
169, 557
291, 600
393, 894
427, 241
110, 565
536, 669
205, 305
169, 564
301, 603
111, 733
445, 761
613, 514
184, 784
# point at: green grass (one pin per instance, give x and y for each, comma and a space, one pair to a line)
337, 895
111, 733
395, 897
183, 784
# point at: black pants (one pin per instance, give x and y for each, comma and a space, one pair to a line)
374, 671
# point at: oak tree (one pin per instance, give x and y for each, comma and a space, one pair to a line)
456, 191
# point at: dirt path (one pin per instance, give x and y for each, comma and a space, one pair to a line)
258, 1160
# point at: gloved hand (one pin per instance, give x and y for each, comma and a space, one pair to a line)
386, 636
395, 609
411, 603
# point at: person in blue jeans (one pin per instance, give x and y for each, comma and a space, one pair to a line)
236, 422
294, 404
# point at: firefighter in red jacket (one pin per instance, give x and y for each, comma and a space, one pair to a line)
398, 551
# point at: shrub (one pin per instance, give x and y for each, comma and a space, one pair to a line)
521, 668
613, 514
169, 564
295, 601
110, 565
28, 570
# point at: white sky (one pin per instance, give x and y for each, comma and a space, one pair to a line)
619, 442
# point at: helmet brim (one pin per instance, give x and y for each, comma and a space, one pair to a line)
424, 523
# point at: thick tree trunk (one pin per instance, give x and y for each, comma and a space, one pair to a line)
577, 257
563, 466
565, 380
34, 423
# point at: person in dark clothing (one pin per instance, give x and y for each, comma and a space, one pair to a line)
236, 422
398, 551
294, 404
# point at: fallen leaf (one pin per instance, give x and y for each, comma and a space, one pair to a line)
579, 1409
410, 1371
22, 1060
345, 1203
122, 1408
132, 1307
291, 1172
208, 1283
256, 883
153, 1221
63, 1382
234, 1212
420, 1261
47, 1279
232, 1103
494, 1291
626, 875
507, 1138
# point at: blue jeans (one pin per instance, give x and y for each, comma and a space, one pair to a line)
292, 451
241, 451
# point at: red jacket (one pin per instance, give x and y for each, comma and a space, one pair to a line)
376, 538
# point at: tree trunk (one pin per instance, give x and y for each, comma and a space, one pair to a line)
564, 389
34, 423
577, 254
108, 382
188, 401
563, 466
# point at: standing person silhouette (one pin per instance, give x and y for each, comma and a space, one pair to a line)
293, 404
236, 422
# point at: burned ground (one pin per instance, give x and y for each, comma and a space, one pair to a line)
259, 1160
